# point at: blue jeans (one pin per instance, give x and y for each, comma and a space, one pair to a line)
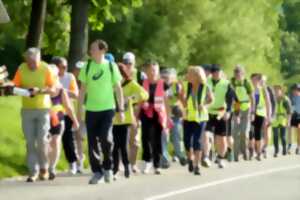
165, 152
176, 137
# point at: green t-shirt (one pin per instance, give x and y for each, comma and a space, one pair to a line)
100, 82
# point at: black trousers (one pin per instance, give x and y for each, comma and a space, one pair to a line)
99, 133
279, 132
120, 136
68, 141
151, 139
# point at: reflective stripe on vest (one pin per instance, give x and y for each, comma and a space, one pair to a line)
192, 110
159, 104
219, 90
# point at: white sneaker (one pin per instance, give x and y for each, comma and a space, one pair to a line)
206, 162
221, 163
80, 166
148, 166
73, 168
135, 169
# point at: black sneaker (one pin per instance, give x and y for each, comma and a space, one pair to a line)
96, 178
190, 166
127, 172
52, 176
182, 161
157, 171
275, 155
197, 171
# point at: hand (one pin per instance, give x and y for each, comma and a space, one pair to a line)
33, 91
75, 125
226, 116
252, 117
201, 107
238, 119
122, 116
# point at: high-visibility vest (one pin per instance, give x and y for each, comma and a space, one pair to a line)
261, 108
192, 112
219, 90
159, 103
281, 114
241, 93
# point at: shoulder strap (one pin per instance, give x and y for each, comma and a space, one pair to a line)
88, 66
200, 93
189, 90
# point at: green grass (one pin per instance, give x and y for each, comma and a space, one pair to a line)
12, 142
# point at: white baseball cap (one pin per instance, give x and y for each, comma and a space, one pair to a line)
129, 57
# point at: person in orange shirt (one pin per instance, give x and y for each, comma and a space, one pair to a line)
36, 76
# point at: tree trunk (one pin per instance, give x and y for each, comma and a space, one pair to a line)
37, 21
79, 32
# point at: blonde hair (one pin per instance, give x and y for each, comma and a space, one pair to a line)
199, 73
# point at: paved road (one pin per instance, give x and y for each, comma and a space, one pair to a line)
271, 179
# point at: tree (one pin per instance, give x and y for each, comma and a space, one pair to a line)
79, 31
36, 26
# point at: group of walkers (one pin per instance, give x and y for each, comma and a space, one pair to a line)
215, 117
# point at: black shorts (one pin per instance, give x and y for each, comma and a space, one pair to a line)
258, 127
295, 121
218, 127
57, 130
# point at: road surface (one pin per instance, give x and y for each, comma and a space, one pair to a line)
270, 179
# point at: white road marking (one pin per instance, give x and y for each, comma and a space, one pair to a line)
219, 182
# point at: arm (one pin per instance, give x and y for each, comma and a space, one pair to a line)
230, 96
268, 103
82, 93
69, 108
119, 95
73, 90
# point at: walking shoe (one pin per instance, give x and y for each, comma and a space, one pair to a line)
190, 166
107, 176
264, 152
182, 161
229, 155
251, 153
245, 156
275, 155
32, 178
197, 171
147, 168
115, 176
284, 152
73, 168
297, 151
134, 169
157, 171
258, 157
165, 165
221, 163
52, 174
206, 162
80, 166
127, 172
96, 178
43, 175
289, 149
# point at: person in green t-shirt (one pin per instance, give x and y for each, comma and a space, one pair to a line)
100, 84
